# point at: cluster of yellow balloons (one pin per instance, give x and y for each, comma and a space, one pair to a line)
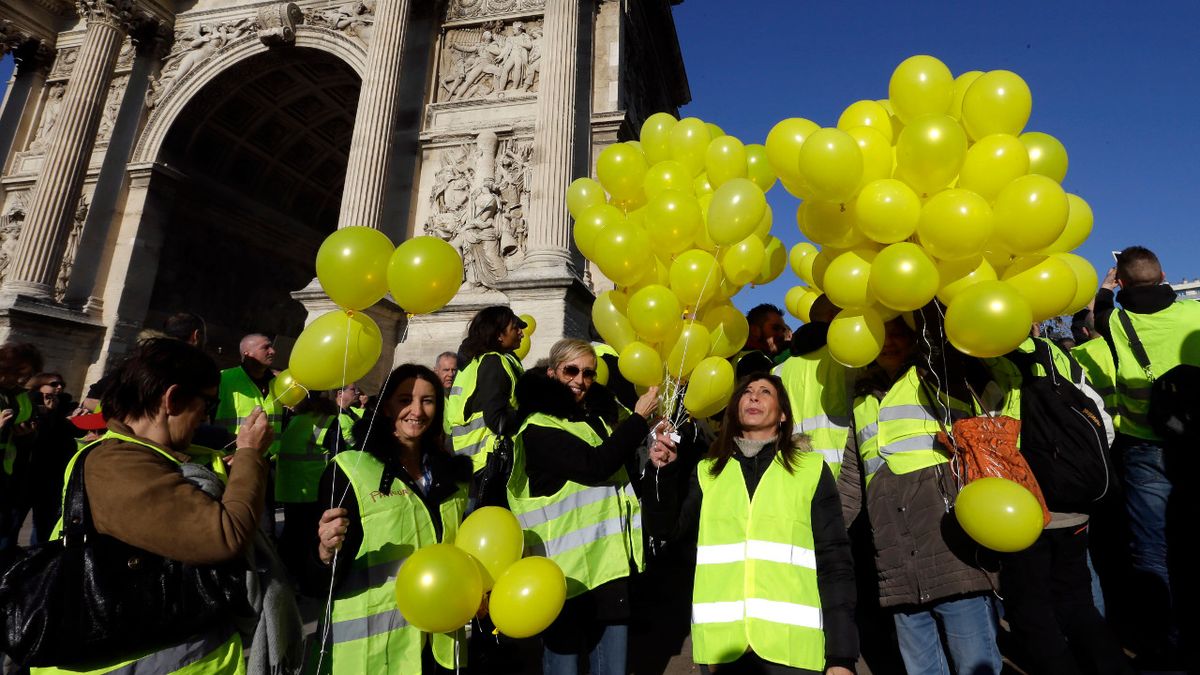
935, 192
683, 227
357, 266
439, 588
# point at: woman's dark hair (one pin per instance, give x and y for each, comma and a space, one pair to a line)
41, 379
13, 354
484, 332
140, 382
731, 426
379, 436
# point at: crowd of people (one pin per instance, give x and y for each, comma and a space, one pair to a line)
807, 528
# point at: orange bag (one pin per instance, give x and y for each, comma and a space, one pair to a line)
987, 446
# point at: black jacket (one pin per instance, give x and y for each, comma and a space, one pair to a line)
674, 516
492, 387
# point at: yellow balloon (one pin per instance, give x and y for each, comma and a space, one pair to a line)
523, 348
997, 102
897, 125
929, 152
774, 260
656, 137
590, 223
609, 317
736, 209
783, 147
623, 253
654, 312
744, 260
829, 223
800, 259
867, 114
832, 164
702, 186
727, 329
640, 364
821, 265
887, 211
847, 281
1047, 155
1030, 214
799, 301
725, 159
955, 224
286, 390
672, 220
530, 323
695, 277
961, 83
352, 265
621, 169
602, 372
583, 194
763, 229
878, 158
709, 388
904, 277
658, 273
438, 588
424, 273
920, 85
958, 275
666, 175
993, 162
1077, 229
336, 348
999, 514
1086, 281
1047, 284
714, 131
689, 144
492, 536
988, 319
997, 257
855, 337
758, 167
528, 597
688, 350
703, 241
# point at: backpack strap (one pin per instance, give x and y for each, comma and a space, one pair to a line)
1135, 344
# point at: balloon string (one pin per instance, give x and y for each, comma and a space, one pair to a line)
673, 386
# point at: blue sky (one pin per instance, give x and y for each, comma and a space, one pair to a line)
1117, 83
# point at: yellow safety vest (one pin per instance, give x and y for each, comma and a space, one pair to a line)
756, 567
302, 459
23, 414
818, 388
239, 396
470, 435
367, 632
1095, 357
1167, 336
594, 533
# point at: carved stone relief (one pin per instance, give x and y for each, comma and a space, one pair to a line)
478, 203
356, 18
278, 23
10, 232
490, 61
126, 55
64, 63
68, 261
477, 9
112, 106
49, 118
193, 46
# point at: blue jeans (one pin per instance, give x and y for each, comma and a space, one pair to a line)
1147, 494
970, 631
607, 657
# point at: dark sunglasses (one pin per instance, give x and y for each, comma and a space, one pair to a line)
572, 371
56, 383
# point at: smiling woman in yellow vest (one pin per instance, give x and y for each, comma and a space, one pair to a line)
138, 494
571, 492
401, 492
774, 588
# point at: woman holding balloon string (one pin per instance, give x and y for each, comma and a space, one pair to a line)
571, 492
401, 492
928, 569
774, 587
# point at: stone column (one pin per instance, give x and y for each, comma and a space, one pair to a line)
375, 123
549, 243
60, 180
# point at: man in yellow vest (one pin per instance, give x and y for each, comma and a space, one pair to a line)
249, 385
1166, 328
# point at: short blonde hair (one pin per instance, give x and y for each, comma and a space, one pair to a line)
569, 349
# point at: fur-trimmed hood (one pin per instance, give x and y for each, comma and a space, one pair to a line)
538, 392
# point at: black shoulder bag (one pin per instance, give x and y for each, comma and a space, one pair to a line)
1174, 396
89, 598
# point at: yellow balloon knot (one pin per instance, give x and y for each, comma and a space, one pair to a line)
842, 207
349, 312
495, 631
409, 315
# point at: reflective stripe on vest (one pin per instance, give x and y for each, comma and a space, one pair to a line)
217, 652
470, 435
1167, 337
239, 395
819, 391
591, 532
22, 415
369, 634
756, 578
302, 458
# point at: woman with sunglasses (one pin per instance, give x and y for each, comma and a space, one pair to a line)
55, 445
572, 494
